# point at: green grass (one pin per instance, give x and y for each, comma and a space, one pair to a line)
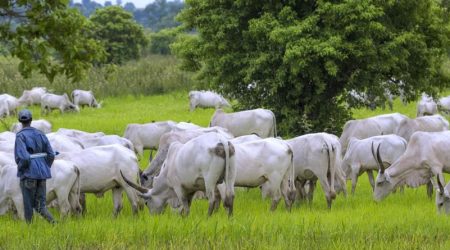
402, 221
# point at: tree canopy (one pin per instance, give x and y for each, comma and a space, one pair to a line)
300, 58
121, 36
48, 37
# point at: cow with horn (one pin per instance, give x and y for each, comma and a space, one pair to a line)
198, 165
425, 156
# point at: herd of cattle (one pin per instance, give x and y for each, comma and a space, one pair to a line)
239, 149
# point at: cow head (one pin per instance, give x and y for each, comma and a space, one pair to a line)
156, 198
383, 184
442, 198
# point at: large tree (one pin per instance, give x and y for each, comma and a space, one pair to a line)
300, 58
47, 37
122, 37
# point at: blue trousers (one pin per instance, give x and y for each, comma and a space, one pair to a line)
34, 197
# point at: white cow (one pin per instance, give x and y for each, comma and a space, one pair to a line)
7, 136
372, 126
434, 123
256, 121
426, 155
245, 138
61, 102
154, 166
63, 143
146, 136
33, 96
199, 165
265, 163
358, 158
317, 156
41, 124
7, 146
9, 104
182, 126
100, 169
84, 97
426, 106
63, 186
206, 99
6, 158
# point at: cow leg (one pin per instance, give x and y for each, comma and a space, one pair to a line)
182, 197
63, 202
327, 190
150, 159
133, 199
117, 199
74, 201
371, 180
354, 178
299, 186
18, 203
83, 203
430, 189
139, 150
312, 187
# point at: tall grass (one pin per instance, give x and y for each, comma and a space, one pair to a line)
153, 74
402, 221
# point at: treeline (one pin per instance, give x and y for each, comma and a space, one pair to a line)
158, 15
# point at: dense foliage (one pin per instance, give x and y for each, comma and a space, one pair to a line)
47, 37
121, 36
300, 58
160, 41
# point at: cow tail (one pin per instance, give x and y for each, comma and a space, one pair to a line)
291, 181
229, 176
331, 168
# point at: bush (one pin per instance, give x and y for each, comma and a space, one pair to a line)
151, 75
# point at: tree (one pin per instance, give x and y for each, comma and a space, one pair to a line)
48, 37
121, 36
161, 40
300, 58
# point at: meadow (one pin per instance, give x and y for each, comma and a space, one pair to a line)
402, 221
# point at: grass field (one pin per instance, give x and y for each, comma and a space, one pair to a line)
402, 221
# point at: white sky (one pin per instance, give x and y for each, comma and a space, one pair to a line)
137, 3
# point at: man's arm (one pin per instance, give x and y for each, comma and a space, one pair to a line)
21, 154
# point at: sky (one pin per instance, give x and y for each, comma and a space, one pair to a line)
137, 3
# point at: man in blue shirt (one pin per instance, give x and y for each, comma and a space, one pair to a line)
34, 157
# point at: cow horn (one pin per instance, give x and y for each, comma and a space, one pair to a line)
133, 185
441, 188
377, 158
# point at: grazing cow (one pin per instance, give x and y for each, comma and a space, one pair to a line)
42, 125
372, 126
358, 158
63, 186
434, 123
426, 155
265, 163
154, 166
33, 96
146, 136
61, 102
84, 98
426, 106
9, 104
199, 165
100, 169
256, 121
206, 99
317, 156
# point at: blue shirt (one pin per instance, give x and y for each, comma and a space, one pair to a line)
32, 141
